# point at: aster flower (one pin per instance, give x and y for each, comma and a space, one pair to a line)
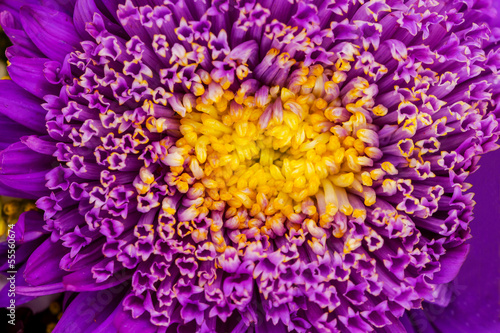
234, 166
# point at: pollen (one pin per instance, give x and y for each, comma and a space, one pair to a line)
261, 154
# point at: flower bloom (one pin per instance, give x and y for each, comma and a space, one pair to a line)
215, 166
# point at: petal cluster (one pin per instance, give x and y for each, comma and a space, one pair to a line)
223, 166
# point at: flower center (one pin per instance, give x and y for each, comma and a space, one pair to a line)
273, 158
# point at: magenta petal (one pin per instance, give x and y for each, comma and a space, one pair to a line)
268, 326
49, 289
22, 252
416, 322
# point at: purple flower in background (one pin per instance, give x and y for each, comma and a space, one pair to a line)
244, 166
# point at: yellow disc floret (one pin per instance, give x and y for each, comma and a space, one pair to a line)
264, 152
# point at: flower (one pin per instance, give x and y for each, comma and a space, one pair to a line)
213, 166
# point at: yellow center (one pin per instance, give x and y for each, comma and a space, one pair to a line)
268, 157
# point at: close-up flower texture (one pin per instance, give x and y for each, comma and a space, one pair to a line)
245, 165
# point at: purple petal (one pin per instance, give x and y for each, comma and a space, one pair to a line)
51, 31
29, 227
124, 322
84, 11
22, 107
91, 311
43, 265
28, 73
5, 291
83, 280
451, 262
11, 131
19, 157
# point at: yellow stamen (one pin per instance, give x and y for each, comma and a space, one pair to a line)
268, 158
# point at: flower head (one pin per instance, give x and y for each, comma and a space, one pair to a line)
220, 165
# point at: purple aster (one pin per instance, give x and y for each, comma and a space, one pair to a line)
244, 166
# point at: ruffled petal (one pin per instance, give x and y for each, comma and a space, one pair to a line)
451, 262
